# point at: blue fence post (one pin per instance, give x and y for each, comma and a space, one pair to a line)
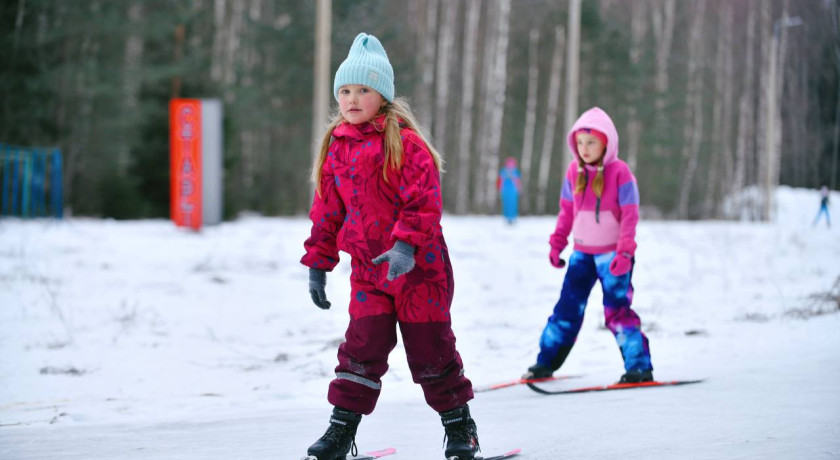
56, 186
27, 176
5, 164
26, 186
15, 188
35, 184
42, 182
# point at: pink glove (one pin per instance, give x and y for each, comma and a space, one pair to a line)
621, 264
554, 257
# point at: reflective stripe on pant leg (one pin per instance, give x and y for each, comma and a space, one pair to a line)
423, 311
363, 357
436, 365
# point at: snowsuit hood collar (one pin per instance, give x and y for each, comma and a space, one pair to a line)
597, 119
361, 130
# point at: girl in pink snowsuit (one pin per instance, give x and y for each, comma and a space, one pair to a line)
599, 206
378, 198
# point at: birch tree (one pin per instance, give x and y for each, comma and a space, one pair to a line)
762, 162
498, 93
486, 105
746, 129
638, 26
427, 66
467, 105
445, 53
775, 138
663, 18
530, 118
551, 119
693, 120
720, 161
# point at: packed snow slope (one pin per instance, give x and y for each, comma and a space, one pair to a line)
138, 340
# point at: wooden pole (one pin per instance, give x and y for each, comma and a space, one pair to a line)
572, 67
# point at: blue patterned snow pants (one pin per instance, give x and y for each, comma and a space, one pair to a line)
563, 326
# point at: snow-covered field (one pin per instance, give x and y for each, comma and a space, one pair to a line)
137, 340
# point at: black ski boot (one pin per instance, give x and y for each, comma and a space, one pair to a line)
339, 439
537, 371
637, 376
461, 434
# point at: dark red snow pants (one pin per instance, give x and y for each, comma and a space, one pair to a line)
419, 303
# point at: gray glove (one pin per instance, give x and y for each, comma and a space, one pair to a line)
400, 259
317, 283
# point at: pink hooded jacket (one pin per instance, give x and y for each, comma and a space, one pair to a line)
608, 224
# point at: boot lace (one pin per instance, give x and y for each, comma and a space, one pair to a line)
460, 432
339, 435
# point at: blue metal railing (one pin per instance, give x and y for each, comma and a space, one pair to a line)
31, 181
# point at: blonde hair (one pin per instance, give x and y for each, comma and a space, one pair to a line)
583, 178
397, 115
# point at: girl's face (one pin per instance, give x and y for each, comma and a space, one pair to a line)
359, 103
590, 148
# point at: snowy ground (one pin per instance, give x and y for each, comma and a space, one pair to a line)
137, 340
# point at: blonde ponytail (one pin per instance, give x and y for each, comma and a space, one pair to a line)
597, 183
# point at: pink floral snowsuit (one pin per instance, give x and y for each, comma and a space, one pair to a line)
358, 212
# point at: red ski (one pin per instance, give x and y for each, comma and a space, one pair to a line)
365, 456
519, 381
512, 453
617, 386
374, 455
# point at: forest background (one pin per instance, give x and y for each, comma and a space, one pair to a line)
686, 83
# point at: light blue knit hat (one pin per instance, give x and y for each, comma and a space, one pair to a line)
366, 64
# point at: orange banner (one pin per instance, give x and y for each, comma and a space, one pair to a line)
185, 162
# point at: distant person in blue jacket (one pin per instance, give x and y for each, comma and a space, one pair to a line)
509, 185
823, 207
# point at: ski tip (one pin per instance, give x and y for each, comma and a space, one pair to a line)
374, 454
382, 453
508, 454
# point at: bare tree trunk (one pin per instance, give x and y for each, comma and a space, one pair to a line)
180, 37
498, 94
762, 163
424, 89
551, 120
775, 138
719, 161
321, 85
446, 47
234, 44
746, 129
462, 186
132, 63
835, 160
219, 39
663, 30
530, 118
490, 39
693, 132
572, 68
800, 130
638, 27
